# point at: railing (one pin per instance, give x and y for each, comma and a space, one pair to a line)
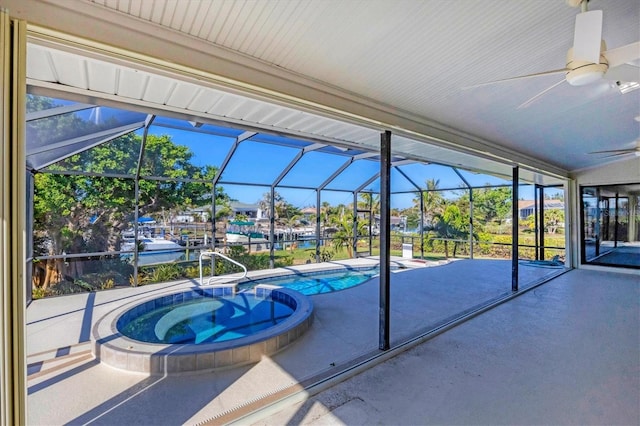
220, 279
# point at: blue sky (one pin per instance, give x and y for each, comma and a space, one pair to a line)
259, 163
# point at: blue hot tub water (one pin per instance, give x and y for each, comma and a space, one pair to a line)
199, 318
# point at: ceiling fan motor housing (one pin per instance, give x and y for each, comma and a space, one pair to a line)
582, 73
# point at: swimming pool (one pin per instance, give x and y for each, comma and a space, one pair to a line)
318, 282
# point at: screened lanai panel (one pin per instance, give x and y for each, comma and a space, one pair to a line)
203, 151
257, 163
298, 198
355, 175
117, 156
444, 176
313, 169
195, 127
246, 194
398, 182
477, 180
281, 140
335, 198
56, 129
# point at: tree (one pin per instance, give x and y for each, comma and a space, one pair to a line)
344, 234
77, 213
265, 204
432, 200
553, 218
369, 201
491, 204
450, 224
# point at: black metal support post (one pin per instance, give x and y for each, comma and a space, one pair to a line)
598, 228
536, 219
354, 226
272, 228
541, 224
318, 231
421, 225
615, 221
514, 229
385, 243
470, 223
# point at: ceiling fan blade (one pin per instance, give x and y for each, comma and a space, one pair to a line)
618, 154
539, 95
587, 36
521, 77
623, 54
624, 72
614, 151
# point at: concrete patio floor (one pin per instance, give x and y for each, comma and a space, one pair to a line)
66, 385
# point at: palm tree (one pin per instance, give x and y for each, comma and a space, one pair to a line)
432, 201
371, 203
344, 234
265, 203
369, 200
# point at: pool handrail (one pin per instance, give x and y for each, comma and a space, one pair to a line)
221, 278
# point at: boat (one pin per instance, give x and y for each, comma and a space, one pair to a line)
151, 245
246, 234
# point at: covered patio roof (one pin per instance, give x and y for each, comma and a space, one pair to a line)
112, 99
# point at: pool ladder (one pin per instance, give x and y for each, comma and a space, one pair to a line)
223, 282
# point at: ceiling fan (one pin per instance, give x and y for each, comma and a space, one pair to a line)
620, 152
589, 60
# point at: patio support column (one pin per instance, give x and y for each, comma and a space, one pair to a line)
318, 236
385, 244
354, 243
514, 228
421, 224
13, 95
597, 227
371, 220
272, 228
536, 219
541, 224
213, 218
470, 223
615, 222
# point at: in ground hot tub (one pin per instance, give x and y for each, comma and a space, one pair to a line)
201, 329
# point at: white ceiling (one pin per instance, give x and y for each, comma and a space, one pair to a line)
410, 56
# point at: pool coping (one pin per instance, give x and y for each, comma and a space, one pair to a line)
112, 348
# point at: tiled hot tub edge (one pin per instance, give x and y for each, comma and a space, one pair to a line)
112, 348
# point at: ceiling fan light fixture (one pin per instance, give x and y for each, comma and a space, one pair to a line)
586, 74
582, 73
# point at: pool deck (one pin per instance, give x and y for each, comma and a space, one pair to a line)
66, 385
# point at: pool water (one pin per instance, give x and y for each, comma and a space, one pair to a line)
204, 319
320, 282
